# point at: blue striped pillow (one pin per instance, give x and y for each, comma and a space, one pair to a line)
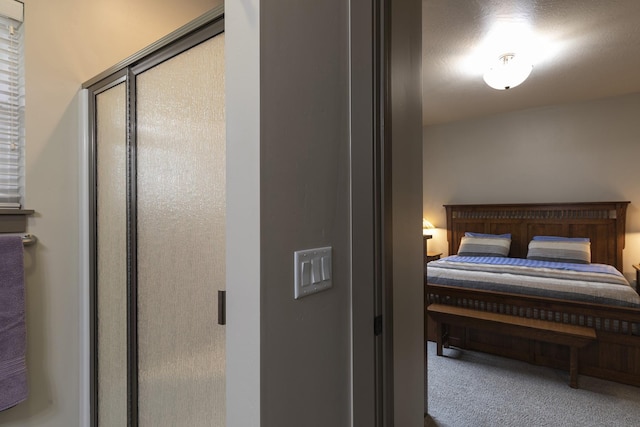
484, 246
492, 236
565, 250
561, 239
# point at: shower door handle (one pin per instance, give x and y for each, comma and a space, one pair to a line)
222, 307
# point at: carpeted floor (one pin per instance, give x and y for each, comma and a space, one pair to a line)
468, 389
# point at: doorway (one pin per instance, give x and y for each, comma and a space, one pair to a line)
158, 235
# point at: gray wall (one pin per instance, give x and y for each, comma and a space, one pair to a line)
292, 109
304, 203
288, 140
406, 128
584, 151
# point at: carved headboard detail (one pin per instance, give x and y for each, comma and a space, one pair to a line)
602, 222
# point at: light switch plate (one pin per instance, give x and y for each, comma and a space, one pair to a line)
312, 271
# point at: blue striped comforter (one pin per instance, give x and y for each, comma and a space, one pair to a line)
592, 283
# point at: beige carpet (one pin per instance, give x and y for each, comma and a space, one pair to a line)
468, 389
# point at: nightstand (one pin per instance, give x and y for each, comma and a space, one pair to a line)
432, 256
425, 239
637, 267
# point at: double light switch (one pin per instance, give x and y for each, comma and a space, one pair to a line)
312, 271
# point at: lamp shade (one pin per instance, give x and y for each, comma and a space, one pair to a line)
507, 72
426, 225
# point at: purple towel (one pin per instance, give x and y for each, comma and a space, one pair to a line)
13, 345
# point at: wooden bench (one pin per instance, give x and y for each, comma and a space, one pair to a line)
573, 336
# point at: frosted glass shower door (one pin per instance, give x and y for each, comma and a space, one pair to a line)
180, 114
111, 228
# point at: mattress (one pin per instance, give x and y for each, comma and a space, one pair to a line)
590, 283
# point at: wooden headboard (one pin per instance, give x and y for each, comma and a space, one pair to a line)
602, 222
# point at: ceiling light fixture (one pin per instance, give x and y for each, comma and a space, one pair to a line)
508, 72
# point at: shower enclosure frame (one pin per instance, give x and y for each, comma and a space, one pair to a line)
198, 31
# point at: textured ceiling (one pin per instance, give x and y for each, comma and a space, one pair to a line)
581, 50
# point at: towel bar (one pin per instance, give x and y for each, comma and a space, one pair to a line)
29, 239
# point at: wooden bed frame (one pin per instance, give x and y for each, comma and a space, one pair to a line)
615, 355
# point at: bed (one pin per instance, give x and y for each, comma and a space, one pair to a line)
614, 355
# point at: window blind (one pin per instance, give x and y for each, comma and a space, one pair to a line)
11, 114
